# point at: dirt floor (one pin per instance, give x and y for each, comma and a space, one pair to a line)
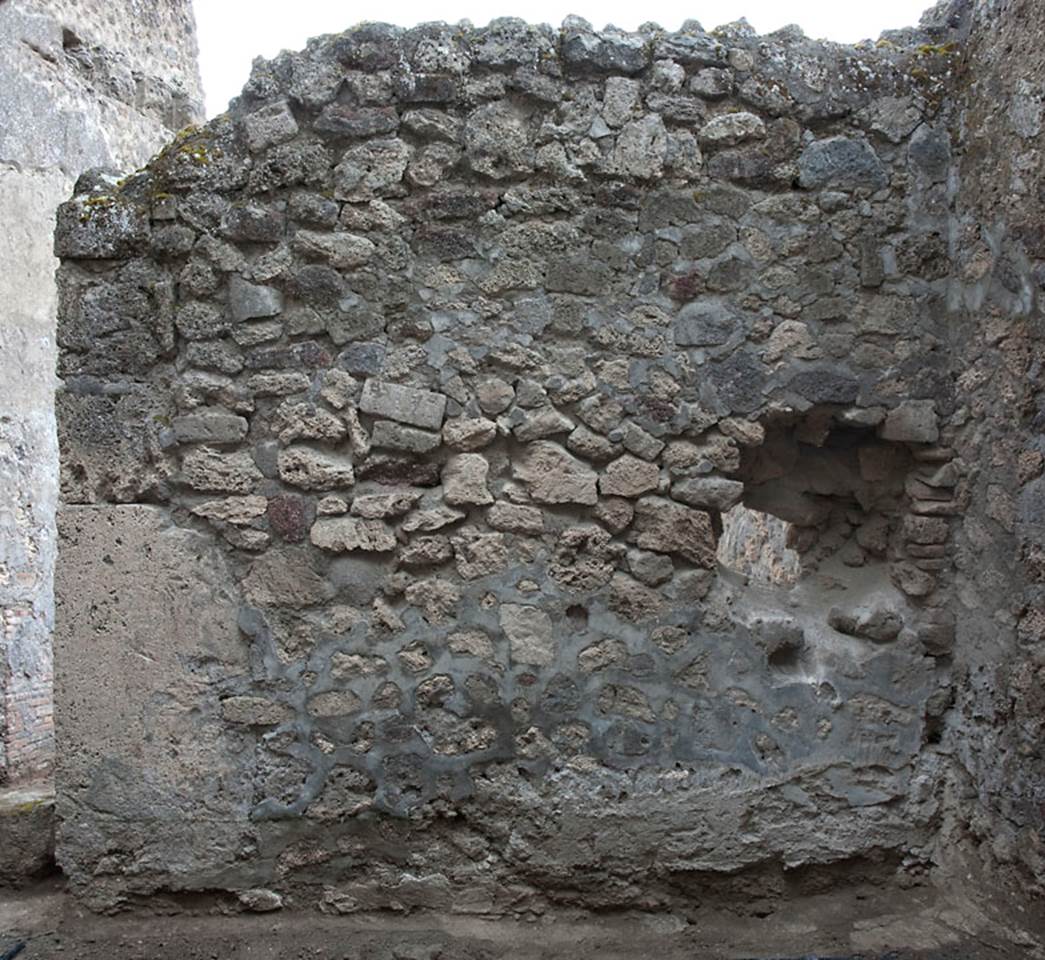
851, 923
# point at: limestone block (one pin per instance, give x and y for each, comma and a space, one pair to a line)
341, 534
140, 725
529, 632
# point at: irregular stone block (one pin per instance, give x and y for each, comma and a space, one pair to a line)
248, 301
334, 703
711, 83
876, 623
729, 129
255, 711
208, 469
469, 434
290, 516
272, 124
554, 476
497, 142
716, 493
370, 170
629, 476
395, 436
464, 480
842, 163
342, 534
380, 505
314, 469
640, 442
425, 521
426, 552
692, 49
100, 228
353, 121
515, 518
667, 527
237, 510
913, 421
825, 385
642, 148
589, 445
421, 408
529, 633
649, 568
541, 423
494, 395
608, 52
480, 554
344, 251
209, 427
706, 323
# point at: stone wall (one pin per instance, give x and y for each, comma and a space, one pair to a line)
85, 84
402, 406
998, 237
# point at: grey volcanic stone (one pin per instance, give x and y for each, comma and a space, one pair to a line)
705, 323
421, 408
841, 162
249, 300
716, 493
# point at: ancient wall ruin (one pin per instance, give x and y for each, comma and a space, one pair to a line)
84, 85
402, 406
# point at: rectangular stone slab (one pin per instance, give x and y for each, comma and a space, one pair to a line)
420, 408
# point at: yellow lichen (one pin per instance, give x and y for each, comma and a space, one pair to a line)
937, 50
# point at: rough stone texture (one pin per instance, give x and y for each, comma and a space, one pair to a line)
84, 85
144, 707
996, 626
610, 297
27, 829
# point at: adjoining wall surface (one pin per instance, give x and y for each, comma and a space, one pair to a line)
86, 84
402, 406
997, 308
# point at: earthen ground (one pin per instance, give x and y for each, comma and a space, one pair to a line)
857, 922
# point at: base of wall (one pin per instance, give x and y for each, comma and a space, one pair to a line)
867, 922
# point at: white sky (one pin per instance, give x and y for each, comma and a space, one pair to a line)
233, 32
